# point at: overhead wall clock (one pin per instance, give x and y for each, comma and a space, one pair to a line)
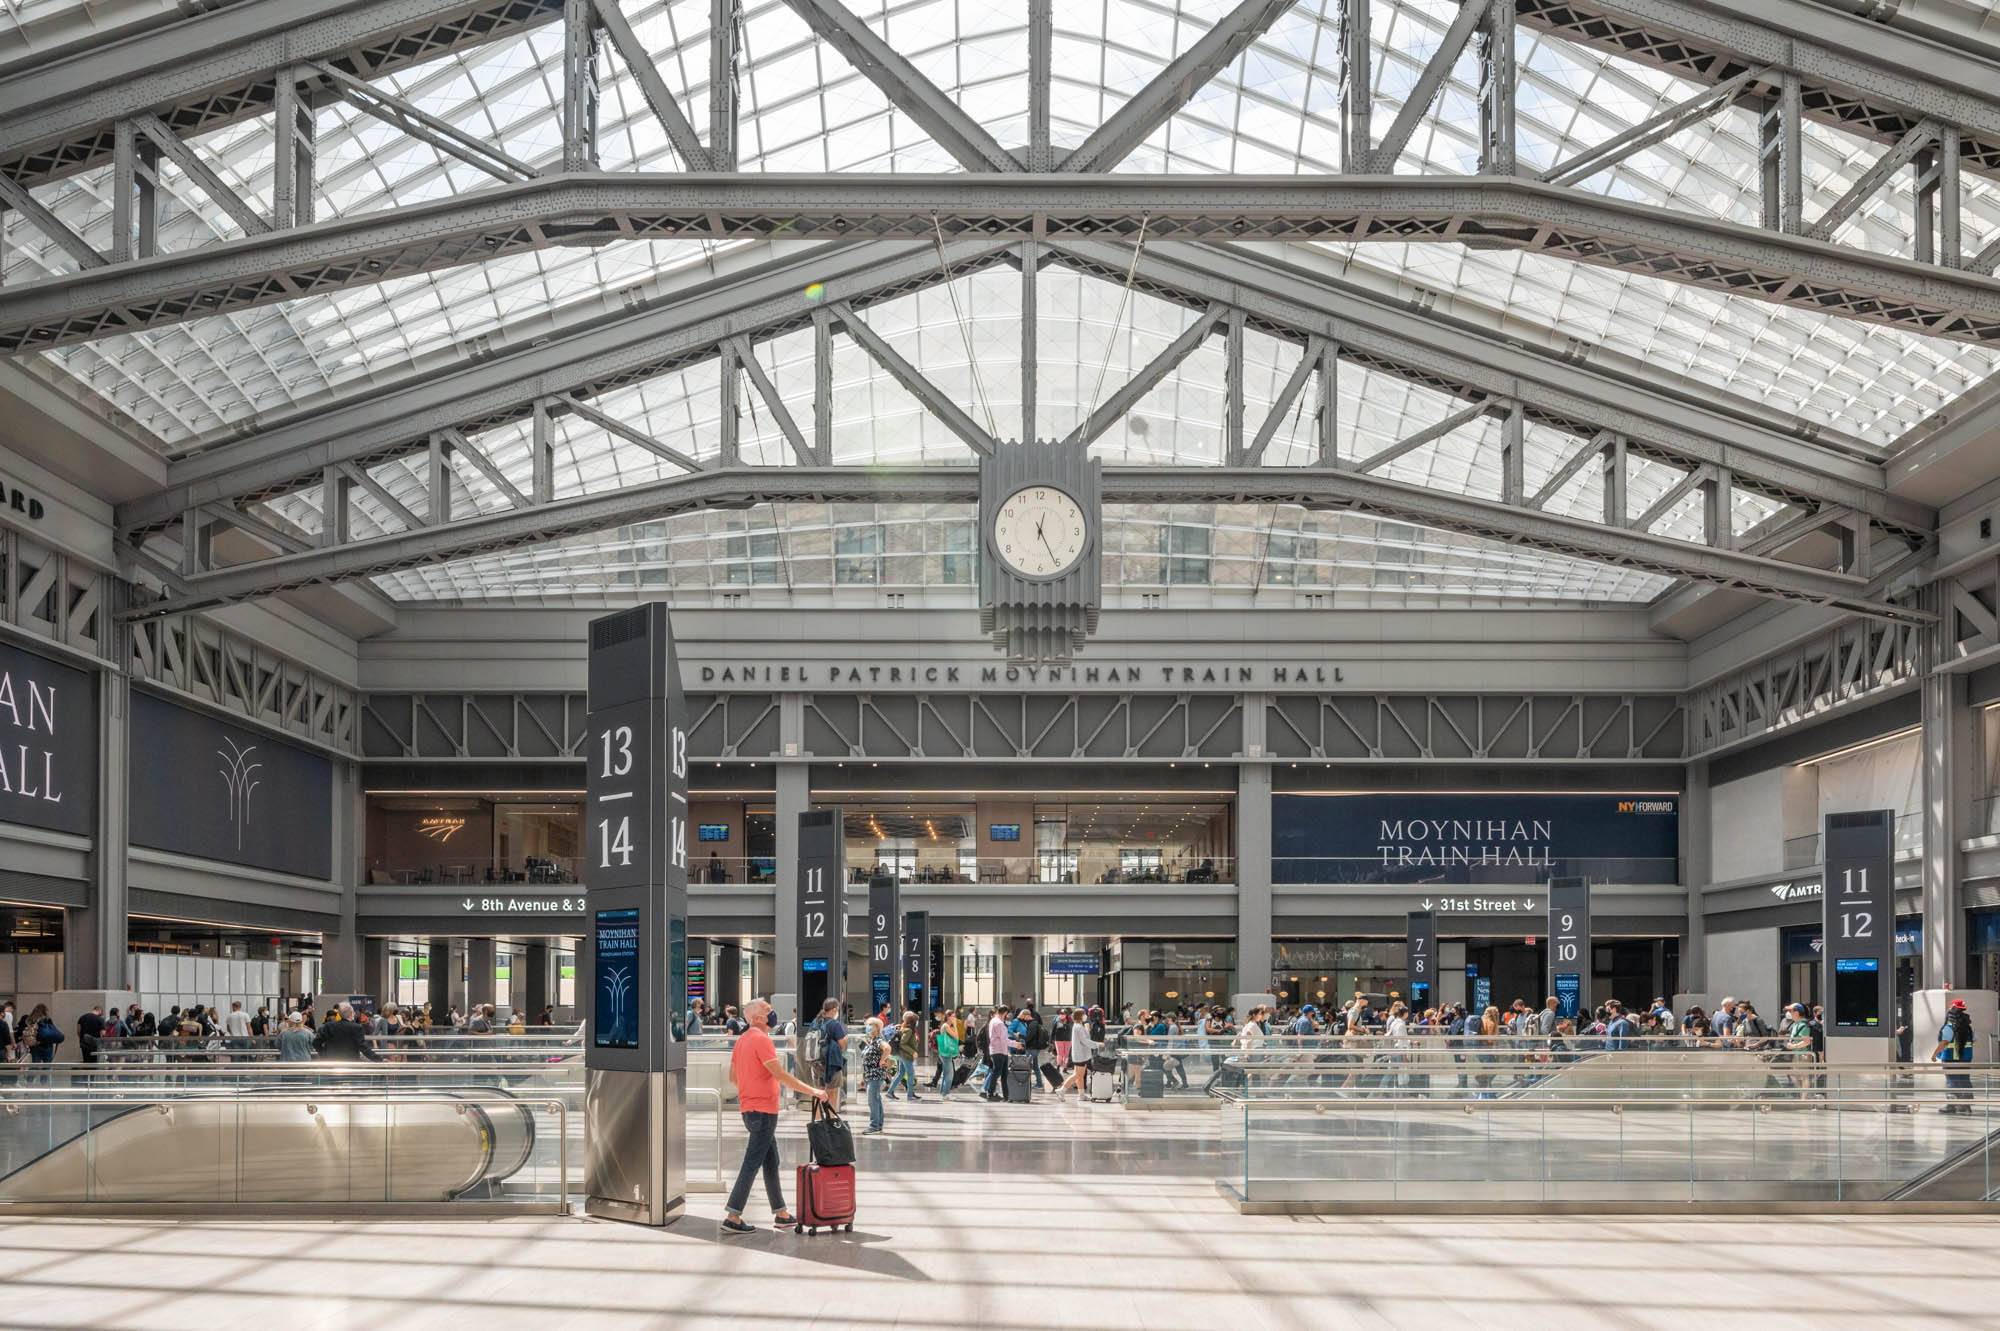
1041, 580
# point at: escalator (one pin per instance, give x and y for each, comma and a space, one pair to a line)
328, 1146
1969, 1175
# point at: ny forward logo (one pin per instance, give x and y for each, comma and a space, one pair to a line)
237, 776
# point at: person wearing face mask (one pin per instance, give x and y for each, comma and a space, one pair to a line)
1954, 1049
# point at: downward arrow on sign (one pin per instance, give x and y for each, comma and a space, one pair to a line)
1427, 903
468, 903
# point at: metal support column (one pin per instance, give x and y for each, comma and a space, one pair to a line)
1948, 783
292, 162
793, 797
1781, 166
340, 951
536, 991
1031, 255
822, 393
542, 455
1253, 873
1232, 388
96, 943
482, 956
1357, 143
1616, 512
1497, 80
1696, 871
1513, 455
1326, 415
724, 16
439, 974
1041, 39
579, 117
730, 428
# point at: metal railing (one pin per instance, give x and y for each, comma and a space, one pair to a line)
1608, 1149
56, 1156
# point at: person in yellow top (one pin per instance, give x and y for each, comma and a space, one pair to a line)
515, 1026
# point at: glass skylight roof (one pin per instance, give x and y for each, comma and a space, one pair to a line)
804, 109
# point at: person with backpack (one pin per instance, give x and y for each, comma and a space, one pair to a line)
1751, 1030
998, 1043
1954, 1049
904, 1049
43, 1035
875, 1056
828, 1055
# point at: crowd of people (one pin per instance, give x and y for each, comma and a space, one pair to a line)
301, 1034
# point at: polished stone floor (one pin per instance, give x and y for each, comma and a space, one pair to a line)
1017, 1251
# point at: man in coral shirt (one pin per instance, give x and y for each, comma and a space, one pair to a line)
757, 1073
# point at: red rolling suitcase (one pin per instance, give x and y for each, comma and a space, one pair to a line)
826, 1198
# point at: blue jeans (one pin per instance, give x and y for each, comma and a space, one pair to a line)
906, 1075
761, 1152
996, 1073
946, 1066
875, 1103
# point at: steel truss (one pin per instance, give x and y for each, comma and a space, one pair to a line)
1051, 727
1584, 727
575, 208
198, 659
50, 596
441, 416
1843, 667
1147, 486
1936, 108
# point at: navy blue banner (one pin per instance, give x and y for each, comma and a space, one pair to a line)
616, 957
1473, 837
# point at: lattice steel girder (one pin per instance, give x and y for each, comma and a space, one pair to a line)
590, 360
595, 208
1283, 300
1867, 77
1294, 303
1310, 488
1316, 488
200, 73
1838, 668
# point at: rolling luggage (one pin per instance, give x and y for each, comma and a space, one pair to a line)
826, 1198
961, 1075
1055, 1077
1101, 1086
1020, 1078
1152, 1083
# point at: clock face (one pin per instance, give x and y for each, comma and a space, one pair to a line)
1040, 531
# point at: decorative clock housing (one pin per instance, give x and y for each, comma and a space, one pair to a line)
1041, 581
1040, 531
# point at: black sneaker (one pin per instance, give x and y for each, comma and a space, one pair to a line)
734, 1226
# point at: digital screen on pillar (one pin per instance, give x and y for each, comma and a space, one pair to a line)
1003, 832
712, 832
1856, 995
615, 1020
813, 965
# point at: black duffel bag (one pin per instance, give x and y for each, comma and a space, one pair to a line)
1103, 1063
827, 1135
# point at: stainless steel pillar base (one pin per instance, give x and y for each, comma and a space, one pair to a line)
635, 1166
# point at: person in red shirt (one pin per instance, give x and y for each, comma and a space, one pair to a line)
757, 1073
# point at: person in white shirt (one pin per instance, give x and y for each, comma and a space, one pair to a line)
236, 1026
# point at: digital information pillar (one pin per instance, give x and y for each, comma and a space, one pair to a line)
1422, 965
1569, 943
885, 953
822, 912
1859, 955
917, 963
635, 877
